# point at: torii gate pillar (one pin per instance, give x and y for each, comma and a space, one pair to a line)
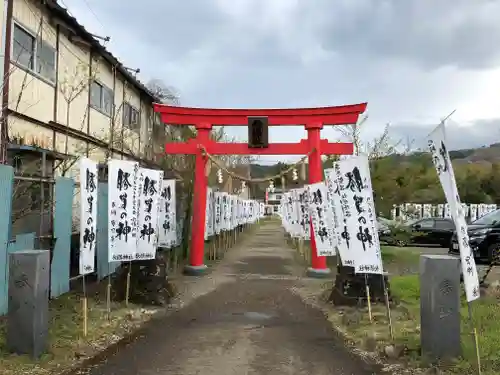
319, 266
197, 251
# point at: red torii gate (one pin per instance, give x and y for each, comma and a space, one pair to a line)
203, 119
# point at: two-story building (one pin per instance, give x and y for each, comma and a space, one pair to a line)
273, 200
65, 95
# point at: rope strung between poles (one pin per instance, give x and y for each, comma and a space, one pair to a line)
263, 179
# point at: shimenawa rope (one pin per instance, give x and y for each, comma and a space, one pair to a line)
242, 178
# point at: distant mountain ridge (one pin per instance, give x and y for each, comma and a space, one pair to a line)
482, 155
489, 154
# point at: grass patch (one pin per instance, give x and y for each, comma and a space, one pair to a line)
400, 255
374, 336
67, 345
401, 260
486, 313
405, 288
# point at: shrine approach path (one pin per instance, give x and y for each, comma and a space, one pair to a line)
241, 318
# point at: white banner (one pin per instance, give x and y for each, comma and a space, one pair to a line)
209, 214
234, 201
296, 227
218, 225
167, 216
319, 211
427, 210
224, 206
339, 205
360, 231
441, 159
304, 217
88, 214
473, 212
149, 184
122, 209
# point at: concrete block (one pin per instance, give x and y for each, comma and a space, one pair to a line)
440, 307
28, 310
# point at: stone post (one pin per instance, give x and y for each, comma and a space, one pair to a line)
440, 307
28, 314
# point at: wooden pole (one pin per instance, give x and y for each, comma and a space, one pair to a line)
474, 338
388, 307
368, 299
84, 308
175, 249
127, 290
108, 298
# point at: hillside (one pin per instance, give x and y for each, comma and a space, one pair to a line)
411, 178
483, 155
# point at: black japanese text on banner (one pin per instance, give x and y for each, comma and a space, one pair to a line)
360, 228
209, 214
167, 215
339, 222
123, 201
88, 214
444, 168
149, 199
218, 212
304, 217
319, 209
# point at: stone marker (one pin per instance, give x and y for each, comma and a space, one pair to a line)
28, 314
440, 307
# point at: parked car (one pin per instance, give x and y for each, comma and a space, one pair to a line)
428, 231
384, 227
484, 237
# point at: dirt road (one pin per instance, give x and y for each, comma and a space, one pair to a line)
241, 319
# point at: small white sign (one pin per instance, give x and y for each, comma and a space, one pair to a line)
167, 220
123, 210
319, 209
149, 200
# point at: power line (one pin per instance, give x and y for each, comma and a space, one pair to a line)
94, 13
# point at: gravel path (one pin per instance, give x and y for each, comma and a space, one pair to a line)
241, 319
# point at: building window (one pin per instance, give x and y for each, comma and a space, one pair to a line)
33, 53
130, 116
101, 97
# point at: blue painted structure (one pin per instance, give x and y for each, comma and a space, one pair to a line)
25, 241
6, 191
63, 213
104, 268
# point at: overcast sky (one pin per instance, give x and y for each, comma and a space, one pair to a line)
413, 61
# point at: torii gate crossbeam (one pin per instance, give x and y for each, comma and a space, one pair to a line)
313, 119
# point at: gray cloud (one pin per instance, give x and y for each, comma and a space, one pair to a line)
459, 136
413, 61
431, 33
173, 27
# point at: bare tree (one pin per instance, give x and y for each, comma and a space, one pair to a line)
380, 146
352, 132
166, 94
72, 84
